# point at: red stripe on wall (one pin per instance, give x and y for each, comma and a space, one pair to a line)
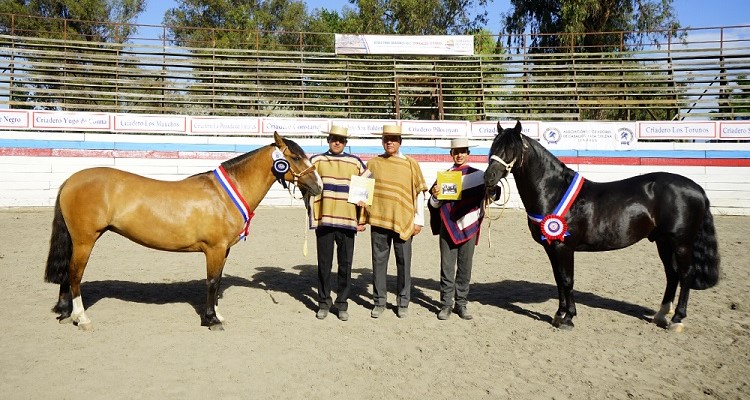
21, 152
191, 155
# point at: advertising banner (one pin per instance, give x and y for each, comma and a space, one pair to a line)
588, 135
440, 45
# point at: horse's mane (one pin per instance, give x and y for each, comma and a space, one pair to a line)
293, 147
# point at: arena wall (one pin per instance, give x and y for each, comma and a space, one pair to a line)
34, 162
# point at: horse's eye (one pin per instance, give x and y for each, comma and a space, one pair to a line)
296, 158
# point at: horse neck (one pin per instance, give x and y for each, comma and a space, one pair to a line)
541, 179
253, 176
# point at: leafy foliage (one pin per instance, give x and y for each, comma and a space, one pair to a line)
590, 25
90, 20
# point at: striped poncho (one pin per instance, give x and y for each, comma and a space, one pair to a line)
330, 208
398, 183
462, 218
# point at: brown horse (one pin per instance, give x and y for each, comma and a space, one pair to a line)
207, 212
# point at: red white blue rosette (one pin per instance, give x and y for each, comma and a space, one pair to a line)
554, 227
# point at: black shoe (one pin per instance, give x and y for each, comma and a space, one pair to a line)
463, 313
322, 313
444, 313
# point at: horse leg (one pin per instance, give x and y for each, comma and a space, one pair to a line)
683, 260
561, 259
215, 259
81, 253
216, 301
666, 308
64, 305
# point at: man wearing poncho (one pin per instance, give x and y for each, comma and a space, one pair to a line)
458, 222
396, 215
335, 220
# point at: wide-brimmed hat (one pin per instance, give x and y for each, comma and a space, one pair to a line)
459, 143
389, 130
338, 131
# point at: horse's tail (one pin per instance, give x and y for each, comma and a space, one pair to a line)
60, 249
706, 258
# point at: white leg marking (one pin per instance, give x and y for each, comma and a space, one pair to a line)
78, 314
216, 310
660, 318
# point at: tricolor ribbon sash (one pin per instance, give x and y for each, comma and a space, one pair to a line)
554, 226
237, 199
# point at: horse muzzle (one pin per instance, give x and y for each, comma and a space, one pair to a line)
309, 181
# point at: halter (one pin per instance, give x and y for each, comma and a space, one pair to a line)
508, 166
295, 175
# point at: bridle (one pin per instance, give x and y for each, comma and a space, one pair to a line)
295, 175
509, 165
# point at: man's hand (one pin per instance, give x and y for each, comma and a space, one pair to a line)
417, 229
361, 228
435, 190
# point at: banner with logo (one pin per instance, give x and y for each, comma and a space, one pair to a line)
438, 45
588, 135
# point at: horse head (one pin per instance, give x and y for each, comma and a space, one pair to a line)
506, 150
300, 171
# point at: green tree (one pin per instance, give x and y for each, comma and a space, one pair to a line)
90, 20
589, 25
237, 24
415, 17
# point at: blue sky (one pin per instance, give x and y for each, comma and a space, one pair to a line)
691, 13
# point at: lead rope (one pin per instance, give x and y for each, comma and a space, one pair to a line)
304, 245
505, 189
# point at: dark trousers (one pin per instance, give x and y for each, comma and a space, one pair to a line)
454, 283
344, 241
382, 240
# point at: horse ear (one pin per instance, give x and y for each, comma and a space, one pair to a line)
499, 128
517, 128
277, 138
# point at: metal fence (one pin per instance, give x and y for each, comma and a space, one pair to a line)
703, 77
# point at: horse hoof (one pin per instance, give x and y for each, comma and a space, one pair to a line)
86, 327
563, 324
678, 327
566, 326
216, 327
661, 321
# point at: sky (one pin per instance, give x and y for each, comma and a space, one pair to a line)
690, 13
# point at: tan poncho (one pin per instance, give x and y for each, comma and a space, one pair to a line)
398, 181
331, 208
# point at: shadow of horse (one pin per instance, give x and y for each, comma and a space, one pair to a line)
191, 292
509, 295
302, 286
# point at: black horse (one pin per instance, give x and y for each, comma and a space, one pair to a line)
568, 214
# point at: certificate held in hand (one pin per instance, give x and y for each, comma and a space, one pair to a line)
449, 183
361, 189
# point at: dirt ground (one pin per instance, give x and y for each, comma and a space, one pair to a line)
147, 341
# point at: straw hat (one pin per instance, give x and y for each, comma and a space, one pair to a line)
338, 131
389, 130
459, 143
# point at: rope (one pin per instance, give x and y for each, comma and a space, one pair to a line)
486, 208
304, 220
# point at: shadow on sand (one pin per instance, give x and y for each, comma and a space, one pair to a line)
302, 286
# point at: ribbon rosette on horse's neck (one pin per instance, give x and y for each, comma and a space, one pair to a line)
554, 226
237, 199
